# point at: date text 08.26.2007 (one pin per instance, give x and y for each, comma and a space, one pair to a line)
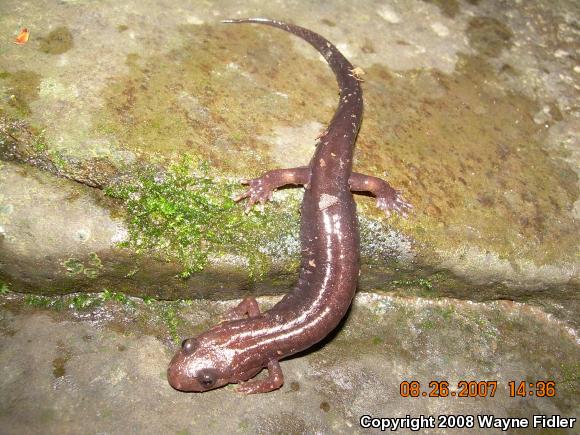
476, 389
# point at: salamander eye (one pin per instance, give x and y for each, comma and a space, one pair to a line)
189, 345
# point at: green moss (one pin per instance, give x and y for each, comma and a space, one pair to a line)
154, 109
96, 265
171, 320
30, 139
90, 272
79, 301
570, 377
58, 159
59, 41
427, 324
446, 312
483, 164
73, 266
95, 261
122, 298
132, 272
147, 300
4, 289
417, 282
22, 88
37, 301
244, 425
478, 324
185, 215
84, 301
40, 143
44, 302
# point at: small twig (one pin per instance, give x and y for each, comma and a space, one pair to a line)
12, 136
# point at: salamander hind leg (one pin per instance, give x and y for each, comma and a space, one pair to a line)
274, 381
262, 188
248, 307
387, 197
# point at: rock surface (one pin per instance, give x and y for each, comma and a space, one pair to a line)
125, 128
469, 108
103, 367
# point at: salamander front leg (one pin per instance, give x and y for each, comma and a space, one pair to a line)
261, 188
248, 307
274, 381
387, 197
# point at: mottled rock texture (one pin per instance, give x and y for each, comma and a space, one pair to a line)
125, 128
102, 365
469, 109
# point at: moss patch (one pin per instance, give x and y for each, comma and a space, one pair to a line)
164, 319
185, 215
570, 377
44, 302
78, 301
217, 96
59, 363
90, 268
422, 287
83, 301
22, 88
171, 320
119, 297
59, 41
73, 266
4, 289
471, 161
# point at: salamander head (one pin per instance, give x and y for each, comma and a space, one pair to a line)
200, 365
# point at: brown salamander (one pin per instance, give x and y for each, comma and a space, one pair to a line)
237, 349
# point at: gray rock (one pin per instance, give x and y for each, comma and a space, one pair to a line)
494, 185
61, 374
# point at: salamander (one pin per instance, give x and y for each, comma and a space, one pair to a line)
247, 340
